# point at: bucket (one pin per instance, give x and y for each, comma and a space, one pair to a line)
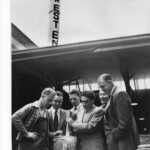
65, 143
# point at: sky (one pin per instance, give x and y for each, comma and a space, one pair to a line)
82, 20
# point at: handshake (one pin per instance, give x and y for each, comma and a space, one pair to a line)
71, 118
70, 121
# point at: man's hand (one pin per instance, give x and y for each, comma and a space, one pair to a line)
75, 125
70, 121
32, 135
57, 133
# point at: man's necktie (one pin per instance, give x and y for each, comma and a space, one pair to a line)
74, 117
55, 123
75, 108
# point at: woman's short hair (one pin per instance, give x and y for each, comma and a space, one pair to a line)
89, 94
60, 94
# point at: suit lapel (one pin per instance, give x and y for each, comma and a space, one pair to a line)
91, 114
114, 91
110, 111
111, 98
80, 115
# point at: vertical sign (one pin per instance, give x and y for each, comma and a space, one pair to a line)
54, 21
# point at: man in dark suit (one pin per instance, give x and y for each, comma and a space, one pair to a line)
57, 115
119, 123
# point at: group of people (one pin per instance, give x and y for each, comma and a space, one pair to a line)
109, 127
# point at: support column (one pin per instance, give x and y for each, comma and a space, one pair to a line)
127, 73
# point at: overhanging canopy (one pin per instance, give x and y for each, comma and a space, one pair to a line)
63, 64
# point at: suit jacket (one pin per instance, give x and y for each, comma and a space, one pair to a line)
90, 130
62, 121
79, 108
25, 118
120, 126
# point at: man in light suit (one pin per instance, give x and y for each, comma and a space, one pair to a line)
89, 124
57, 115
119, 123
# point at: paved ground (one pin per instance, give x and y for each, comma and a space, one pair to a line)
145, 139
145, 142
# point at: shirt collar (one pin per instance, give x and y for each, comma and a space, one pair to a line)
112, 91
53, 110
77, 106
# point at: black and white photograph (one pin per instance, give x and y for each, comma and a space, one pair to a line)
79, 74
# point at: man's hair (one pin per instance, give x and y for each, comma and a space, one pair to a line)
89, 94
60, 94
105, 77
74, 91
47, 91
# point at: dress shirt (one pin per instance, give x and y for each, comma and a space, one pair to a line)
77, 108
105, 107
